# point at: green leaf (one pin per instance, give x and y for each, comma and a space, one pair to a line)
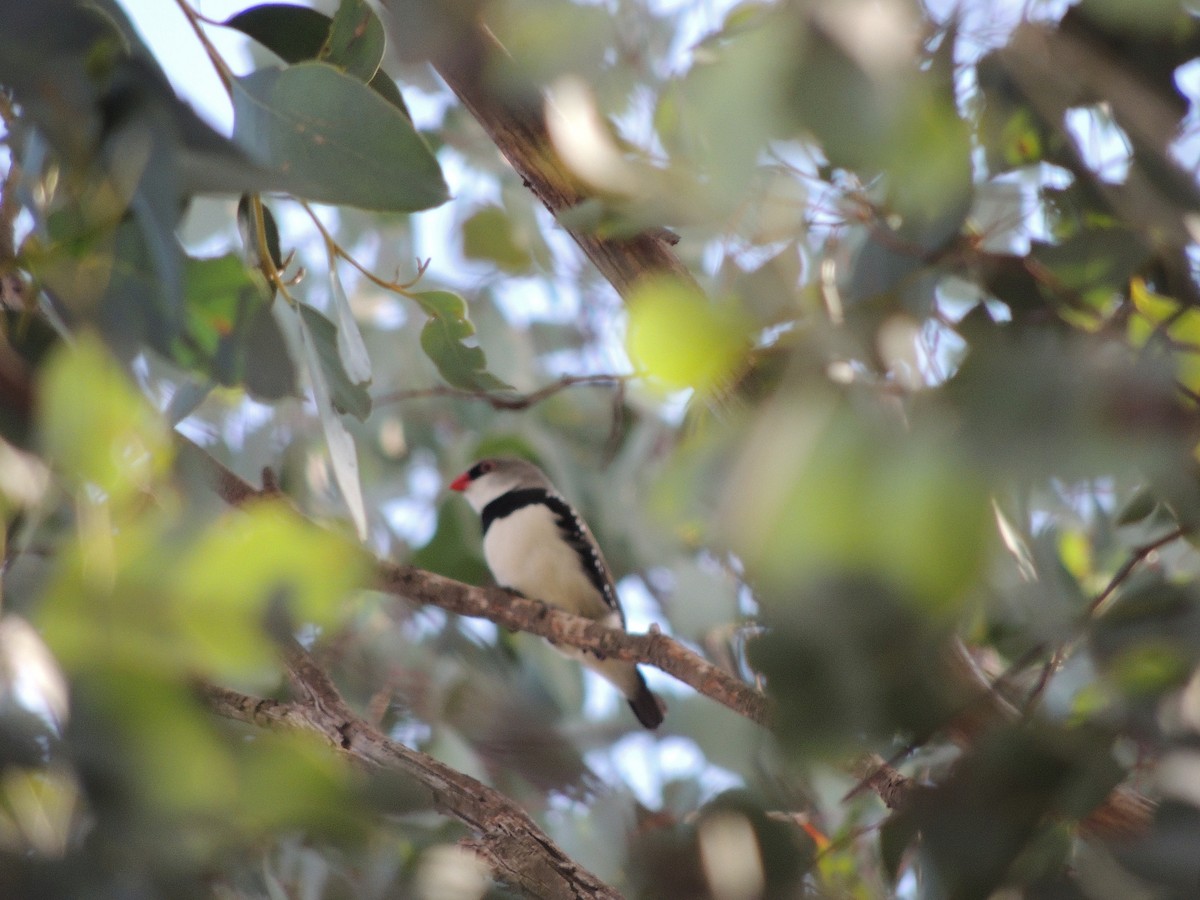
291, 779
261, 561
383, 85
330, 138
850, 657
860, 495
293, 33
446, 551
148, 729
1092, 265
355, 42
270, 372
231, 335
218, 291
991, 810
134, 272
296, 34
1148, 641
895, 837
347, 396
95, 425
680, 339
488, 235
443, 338
1137, 507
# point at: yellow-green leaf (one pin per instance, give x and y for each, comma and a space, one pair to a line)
97, 427
257, 562
681, 340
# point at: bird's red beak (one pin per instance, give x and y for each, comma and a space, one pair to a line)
460, 483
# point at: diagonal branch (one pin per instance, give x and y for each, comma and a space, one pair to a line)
481, 73
522, 614
510, 841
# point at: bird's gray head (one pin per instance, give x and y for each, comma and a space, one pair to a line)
490, 478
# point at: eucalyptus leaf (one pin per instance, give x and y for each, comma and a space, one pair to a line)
443, 340
355, 42
298, 33
351, 348
330, 138
248, 230
488, 234
231, 335
293, 33
347, 395
270, 372
343, 454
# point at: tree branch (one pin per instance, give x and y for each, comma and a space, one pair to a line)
474, 65
510, 841
522, 614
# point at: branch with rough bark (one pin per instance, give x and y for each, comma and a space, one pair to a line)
482, 75
522, 614
512, 844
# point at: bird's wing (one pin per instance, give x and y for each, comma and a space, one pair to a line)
579, 537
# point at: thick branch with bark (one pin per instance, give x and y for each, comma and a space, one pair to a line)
510, 841
474, 65
522, 614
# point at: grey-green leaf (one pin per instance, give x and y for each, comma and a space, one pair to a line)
343, 453
347, 396
351, 348
297, 33
331, 138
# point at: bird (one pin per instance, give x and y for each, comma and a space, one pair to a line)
537, 545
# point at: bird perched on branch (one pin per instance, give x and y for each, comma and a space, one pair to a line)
537, 545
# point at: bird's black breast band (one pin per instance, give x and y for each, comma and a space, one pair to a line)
507, 504
569, 525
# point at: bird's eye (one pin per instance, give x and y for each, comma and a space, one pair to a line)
486, 466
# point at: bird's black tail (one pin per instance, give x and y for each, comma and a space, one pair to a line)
647, 707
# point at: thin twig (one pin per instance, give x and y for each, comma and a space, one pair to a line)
1060, 655
336, 250
1138, 555
223, 71
509, 402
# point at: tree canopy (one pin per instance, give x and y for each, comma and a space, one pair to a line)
864, 333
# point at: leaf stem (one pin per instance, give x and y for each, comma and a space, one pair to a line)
336, 250
265, 261
194, 19
1137, 556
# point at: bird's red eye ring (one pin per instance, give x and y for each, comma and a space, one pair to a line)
486, 466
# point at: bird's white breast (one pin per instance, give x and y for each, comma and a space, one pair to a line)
525, 552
